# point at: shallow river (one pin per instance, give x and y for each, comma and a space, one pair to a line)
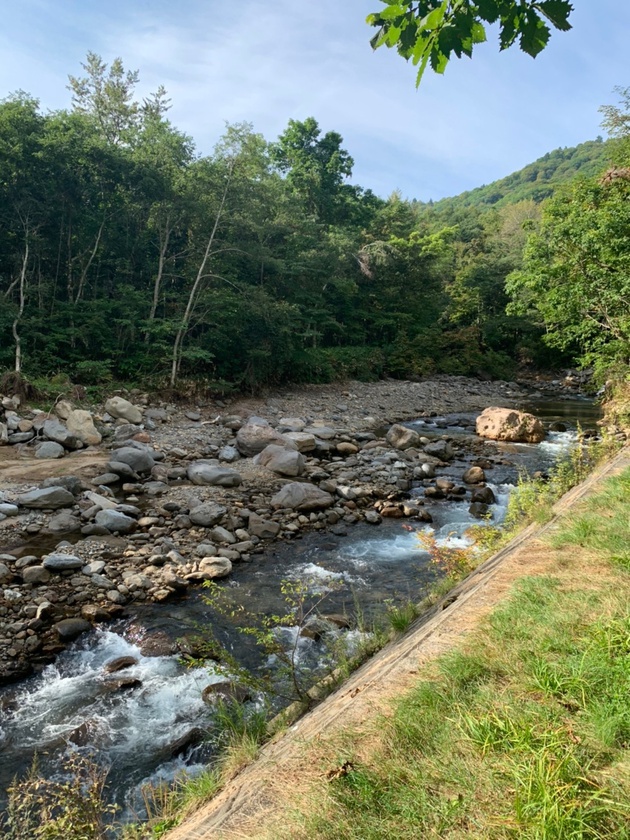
145, 733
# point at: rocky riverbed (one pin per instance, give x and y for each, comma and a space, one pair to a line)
138, 501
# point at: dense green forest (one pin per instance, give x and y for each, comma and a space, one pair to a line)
124, 254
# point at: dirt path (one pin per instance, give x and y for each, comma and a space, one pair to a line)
250, 801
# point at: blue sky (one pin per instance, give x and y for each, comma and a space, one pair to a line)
267, 62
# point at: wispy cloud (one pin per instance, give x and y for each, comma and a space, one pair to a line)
267, 63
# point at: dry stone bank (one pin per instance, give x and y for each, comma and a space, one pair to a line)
150, 498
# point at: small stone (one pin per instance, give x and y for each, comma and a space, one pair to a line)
119, 664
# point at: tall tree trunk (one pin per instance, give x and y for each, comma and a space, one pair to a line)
87, 266
192, 298
165, 236
16, 335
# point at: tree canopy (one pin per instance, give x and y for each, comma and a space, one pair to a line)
429, 32
126, 254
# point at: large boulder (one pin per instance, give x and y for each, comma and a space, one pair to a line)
400, 437
71, 483
510, 425
4, 434
305, 441
281, 460
49, 449
122, 409
36, 575
207, 515
441, 449
298, 496
81, 424
56, 431
139, 460
63, 409
116, 521
62, 562
71, 628
64, 523
213, 568
204, 473
264, 529
474, 475
46, 498
485, 495
257, 434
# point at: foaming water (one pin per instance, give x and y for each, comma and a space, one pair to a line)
134, 726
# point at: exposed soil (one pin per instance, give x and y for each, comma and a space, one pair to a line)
256, 797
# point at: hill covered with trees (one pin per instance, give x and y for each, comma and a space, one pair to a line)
538, 180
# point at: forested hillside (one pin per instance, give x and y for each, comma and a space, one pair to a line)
538, 180
125, 254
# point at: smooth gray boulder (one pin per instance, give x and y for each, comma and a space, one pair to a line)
441, 449
256, 434
322, 432
114, 520
122, 470
62, 562
298, 496
21, 437
264, 529
49, 449
46, 498
5, 573
124, 410
56, 431
71, 628
64, 523
229, 454
139, 460
71, 483
207, 515
281, 460
400, 437
203, 473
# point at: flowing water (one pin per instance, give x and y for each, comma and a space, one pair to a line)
150, 729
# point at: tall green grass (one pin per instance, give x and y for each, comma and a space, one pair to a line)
524, 733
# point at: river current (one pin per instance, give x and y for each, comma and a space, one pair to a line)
152, 730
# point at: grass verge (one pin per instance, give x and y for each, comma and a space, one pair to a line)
522, 733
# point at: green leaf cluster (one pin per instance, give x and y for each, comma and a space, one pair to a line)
429, 32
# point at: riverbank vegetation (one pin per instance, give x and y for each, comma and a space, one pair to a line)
523, 731
242, 734
125, 255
